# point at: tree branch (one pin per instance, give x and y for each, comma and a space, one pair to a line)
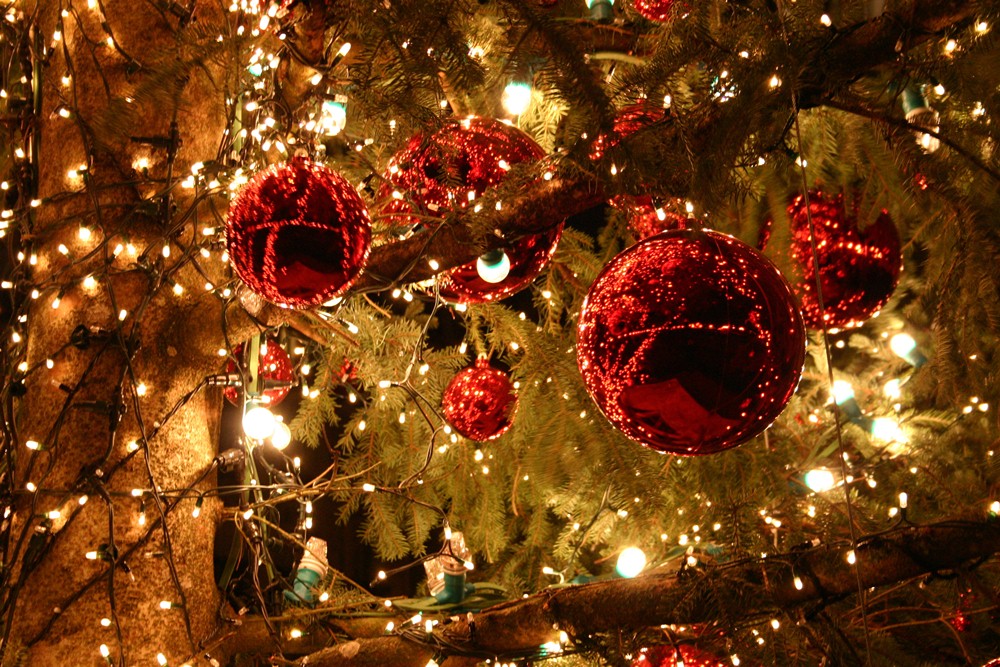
741, 589
850, 54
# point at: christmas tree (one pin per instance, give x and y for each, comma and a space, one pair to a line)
635, 333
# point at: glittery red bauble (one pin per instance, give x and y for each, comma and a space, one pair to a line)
645, 219
690, 342
629, 120
668, 656
275, 367
654, 10
528, 256
298, 234
437, 175
858, 269
479, 402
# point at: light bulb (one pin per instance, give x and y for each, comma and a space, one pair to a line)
493, 266
281, 437
887, 430
516, 98
842, 392
904, 347
631, 562
600, 10
258, 422
820, 480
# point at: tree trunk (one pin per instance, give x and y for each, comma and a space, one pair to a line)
93, 402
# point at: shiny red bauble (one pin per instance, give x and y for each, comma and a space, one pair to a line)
654, 10
298, 234
858, 268
645, 219
449, 171
479, 402
668, 656
690, 342
275, 367
629, 120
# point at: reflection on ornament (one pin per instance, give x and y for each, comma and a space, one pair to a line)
298, 234
479, 402
451, 170
690, 342
275, 369
858, 269
668, 656
629, 120
493, 266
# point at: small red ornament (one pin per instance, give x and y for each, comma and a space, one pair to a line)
275, 367
645, 219
450, 171
298, 234
690, 342
858, 269
629, 120
479, 402
654, 10
668, 656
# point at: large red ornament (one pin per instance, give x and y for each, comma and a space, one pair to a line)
668, 656
858, 269
450, 171
479, 402
275, 367
690, 342
298, 234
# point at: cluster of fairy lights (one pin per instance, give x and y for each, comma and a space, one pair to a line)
255, 130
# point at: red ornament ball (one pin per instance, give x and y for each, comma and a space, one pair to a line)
629, 120
298, 234
479, 402
654, 10
858, 269
275, 368
668, 656
436, 174
690, 342
464, 159
645, 219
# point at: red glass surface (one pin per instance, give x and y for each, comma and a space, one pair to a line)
479, 402
654, 10
437, 174
858, 269
298, 234
275, 366
690, 342
668, 656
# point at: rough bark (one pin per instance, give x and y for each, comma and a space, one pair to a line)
55, 598
719, 592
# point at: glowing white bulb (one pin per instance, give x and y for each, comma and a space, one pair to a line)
631, 562
281, 437
493, 266
887, 430
258, 423
820, 480
842, 392
516, 98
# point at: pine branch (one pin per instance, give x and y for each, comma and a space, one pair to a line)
849, 55
741, 589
